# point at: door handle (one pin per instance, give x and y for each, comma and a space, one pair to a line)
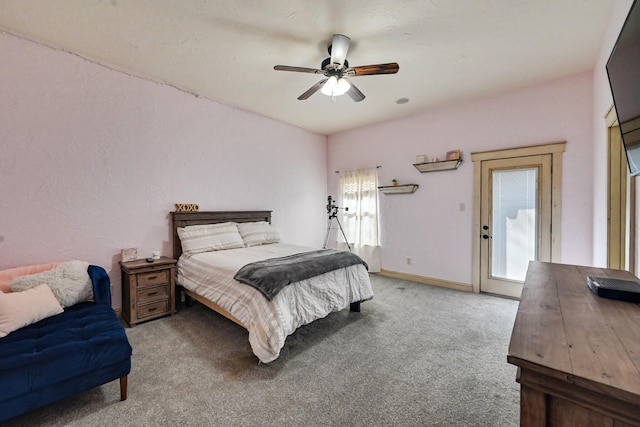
485, 227
486, 236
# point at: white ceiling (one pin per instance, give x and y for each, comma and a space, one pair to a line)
225, 50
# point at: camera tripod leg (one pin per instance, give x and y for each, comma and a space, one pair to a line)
326, 237
344, 235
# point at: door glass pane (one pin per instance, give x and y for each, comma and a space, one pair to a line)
514, 222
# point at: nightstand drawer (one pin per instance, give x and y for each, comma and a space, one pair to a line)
152, 294
153, 309
153, 278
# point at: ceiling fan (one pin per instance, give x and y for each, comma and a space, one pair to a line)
336, 71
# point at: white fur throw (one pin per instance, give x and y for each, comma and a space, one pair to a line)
69, 282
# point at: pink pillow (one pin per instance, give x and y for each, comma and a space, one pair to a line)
19, 309
6, 276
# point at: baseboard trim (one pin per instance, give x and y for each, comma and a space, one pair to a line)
427, 280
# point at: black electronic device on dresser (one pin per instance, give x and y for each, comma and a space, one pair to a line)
623, 290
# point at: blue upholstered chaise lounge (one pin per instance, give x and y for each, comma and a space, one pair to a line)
57, 357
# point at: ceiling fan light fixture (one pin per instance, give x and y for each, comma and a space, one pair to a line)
330, 86
335, 86
343, 86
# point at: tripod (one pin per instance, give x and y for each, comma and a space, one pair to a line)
332, 210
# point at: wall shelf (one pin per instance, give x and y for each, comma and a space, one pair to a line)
399, 189
438, 166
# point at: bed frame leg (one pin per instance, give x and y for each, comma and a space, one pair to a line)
188, 300
355, 306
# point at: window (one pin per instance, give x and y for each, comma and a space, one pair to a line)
359, 218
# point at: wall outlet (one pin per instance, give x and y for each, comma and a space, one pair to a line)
409, 261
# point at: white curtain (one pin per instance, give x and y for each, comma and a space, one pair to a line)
359, 216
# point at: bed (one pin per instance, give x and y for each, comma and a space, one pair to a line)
208, 277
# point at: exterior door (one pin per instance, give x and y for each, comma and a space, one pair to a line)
516, 221
517, 214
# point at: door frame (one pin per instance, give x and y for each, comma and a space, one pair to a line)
556, 150
621, 202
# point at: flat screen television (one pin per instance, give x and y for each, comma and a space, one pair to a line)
623, 70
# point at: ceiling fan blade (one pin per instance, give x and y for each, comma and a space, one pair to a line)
367, 70
313, 89
339, 47
353, 92
298, 69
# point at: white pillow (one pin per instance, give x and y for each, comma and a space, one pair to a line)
258, 233
209, 237
19, 309
69, 282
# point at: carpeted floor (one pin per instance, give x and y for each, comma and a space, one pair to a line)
416, 355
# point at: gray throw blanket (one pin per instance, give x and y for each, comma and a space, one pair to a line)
271, 275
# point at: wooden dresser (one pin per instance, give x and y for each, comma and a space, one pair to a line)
578, 355
148, 289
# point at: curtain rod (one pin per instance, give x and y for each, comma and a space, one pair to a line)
377, 167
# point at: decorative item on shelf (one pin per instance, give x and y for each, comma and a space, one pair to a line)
435, 159
453, 155
394, 182
187, 207
422, 158
130, 254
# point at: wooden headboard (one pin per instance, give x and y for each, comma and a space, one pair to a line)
182, 219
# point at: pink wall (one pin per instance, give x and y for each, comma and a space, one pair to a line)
93, 160
601, 105
429, 226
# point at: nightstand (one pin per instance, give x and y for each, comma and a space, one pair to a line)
148, 289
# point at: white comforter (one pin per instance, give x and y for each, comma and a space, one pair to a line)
210, 274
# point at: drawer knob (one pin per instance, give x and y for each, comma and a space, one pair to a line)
152, 277
152, 293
